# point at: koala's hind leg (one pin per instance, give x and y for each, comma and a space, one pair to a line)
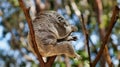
66, 48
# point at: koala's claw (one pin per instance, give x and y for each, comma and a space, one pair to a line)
75, 38
72, 38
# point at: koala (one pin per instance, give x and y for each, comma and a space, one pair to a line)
53, 35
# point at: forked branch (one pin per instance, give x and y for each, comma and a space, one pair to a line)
32, 33
29, 21
106, 38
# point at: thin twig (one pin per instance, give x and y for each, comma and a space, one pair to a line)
29, 21
93, 45
78, 13
106, 38
85, 31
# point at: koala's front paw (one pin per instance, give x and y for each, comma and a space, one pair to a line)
71, 38
74, 38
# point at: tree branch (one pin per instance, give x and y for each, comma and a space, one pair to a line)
106, 38
93, 45
50, 61
99, 11
85, 31
29, 21
78, 13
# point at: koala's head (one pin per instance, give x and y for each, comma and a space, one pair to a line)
63, 26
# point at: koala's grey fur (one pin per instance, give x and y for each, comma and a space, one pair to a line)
52, 34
